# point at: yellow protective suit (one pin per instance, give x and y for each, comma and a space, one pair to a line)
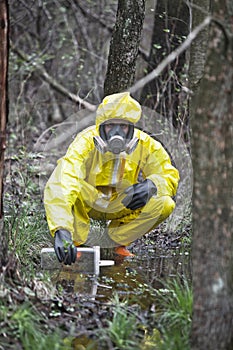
88, 184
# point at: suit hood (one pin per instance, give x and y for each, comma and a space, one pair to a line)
118, 106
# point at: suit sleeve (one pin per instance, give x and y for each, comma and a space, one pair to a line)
67, 185
159, 169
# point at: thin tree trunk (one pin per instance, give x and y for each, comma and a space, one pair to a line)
124, 46
199, 47
3, 115
212, 249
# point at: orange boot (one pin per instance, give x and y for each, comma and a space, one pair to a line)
78, 256
121, 250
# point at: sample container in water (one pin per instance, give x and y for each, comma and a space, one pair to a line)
87, 261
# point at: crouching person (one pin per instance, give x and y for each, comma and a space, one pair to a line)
98, 178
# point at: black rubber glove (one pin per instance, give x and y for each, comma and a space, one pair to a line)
64, 248
139, 194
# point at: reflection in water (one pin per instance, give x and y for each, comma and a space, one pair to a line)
130, 277
135, 279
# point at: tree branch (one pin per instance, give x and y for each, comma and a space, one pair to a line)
54, 83
171, 57
60, 88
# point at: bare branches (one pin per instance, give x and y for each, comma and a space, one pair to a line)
60, 88
138, 85
54, 83
171, 57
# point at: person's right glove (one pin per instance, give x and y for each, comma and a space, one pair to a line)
64, 247
139, 194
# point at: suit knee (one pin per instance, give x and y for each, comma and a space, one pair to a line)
168, 206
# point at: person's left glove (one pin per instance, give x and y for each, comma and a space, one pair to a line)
139, 194
64, 248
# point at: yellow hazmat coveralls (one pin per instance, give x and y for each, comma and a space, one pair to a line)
89, 184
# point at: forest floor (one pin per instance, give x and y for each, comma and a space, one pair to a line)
69, 309
80, 307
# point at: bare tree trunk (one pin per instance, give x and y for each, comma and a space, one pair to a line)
212, 250
3, 115
124, 46
198, 48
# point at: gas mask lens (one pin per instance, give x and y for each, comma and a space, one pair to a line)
116, 130
116, 135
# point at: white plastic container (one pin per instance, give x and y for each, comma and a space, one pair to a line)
87, 261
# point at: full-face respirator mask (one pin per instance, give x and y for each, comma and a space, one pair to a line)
116, 140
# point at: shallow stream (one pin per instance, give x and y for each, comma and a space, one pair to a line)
135, 278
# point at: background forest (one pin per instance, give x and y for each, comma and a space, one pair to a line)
60, 52
64, 57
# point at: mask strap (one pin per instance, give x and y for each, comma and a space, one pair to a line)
129, 136
100, 144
